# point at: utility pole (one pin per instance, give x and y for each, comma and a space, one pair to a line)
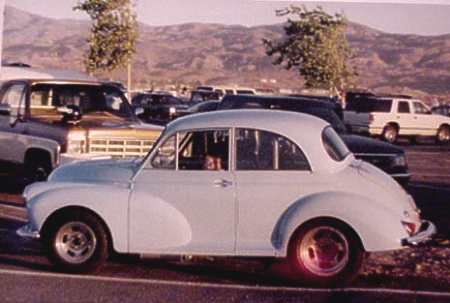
130, 7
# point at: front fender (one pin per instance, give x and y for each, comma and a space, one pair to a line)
109, 202
378, 227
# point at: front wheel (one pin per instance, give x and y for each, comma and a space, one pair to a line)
325, 253
77, 242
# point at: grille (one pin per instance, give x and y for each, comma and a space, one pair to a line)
120, 148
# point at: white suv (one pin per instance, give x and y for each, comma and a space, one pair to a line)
394, 117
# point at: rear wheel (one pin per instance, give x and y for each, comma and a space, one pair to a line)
443, 135
77, 242
390, 134
325, 253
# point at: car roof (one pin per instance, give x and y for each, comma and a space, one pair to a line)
271, 98
305, 130
16, 73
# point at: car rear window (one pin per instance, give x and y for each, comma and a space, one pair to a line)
334, 145
370, 105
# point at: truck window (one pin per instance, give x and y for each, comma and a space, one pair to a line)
419, 108
403, 107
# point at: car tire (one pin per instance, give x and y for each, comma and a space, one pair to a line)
443, 135
325, 253
77, 242
390, 134
37, 169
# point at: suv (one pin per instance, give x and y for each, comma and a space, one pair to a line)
387, 157
391, 117
44, 123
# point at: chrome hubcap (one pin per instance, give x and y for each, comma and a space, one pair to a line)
390, 135
324, 251
75, 242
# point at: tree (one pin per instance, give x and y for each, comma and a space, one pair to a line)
113, 33
314, 43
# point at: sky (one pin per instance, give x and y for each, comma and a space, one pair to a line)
410, 17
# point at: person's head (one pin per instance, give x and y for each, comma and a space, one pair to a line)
209, 163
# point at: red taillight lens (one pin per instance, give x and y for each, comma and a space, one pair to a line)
410, 227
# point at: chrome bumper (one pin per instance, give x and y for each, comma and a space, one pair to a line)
28, 232
425, 234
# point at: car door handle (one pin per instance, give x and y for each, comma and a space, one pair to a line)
222, 183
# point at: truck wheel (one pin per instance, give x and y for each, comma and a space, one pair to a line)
390, 134
37, 169
325, 253
443, 135
77, 242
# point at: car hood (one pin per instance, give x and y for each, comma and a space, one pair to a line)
97, 171
362, 145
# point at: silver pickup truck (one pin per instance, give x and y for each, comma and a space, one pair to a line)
44, 123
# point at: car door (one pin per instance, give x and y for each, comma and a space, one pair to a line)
11, 129
183, 200
271, 173
426, 123
405, 118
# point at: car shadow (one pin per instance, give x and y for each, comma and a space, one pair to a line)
434, 202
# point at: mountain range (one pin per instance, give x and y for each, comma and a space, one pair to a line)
197, 53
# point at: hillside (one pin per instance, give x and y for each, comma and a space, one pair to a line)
214, 53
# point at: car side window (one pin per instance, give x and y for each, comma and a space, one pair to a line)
419, 108
13, 95
262, 150
165, 155
203, 150
15, 98
403, 107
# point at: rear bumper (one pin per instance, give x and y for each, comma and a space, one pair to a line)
425, 234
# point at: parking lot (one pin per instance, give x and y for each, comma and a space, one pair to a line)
424, 268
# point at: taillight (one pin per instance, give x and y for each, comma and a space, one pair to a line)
371, 118
410, 227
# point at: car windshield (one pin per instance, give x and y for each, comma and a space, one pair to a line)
90, 99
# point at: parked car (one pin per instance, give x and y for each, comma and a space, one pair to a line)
229, 183
159, 106
387, 157
201, 107
227, 90
441, 110
204, 95
391, 117
44, 123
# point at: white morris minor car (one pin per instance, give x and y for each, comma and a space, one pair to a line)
249, 183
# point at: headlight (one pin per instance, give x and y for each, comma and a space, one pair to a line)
76, 142
172, 110
399, 160
76, 147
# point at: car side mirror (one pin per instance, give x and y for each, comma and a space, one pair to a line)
138, 111
5, 109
